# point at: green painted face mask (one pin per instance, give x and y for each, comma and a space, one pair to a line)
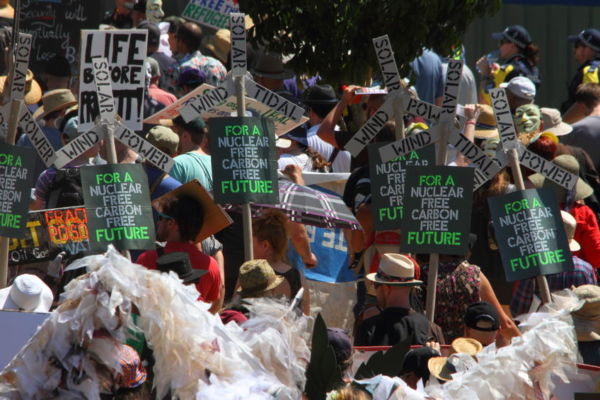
528, 118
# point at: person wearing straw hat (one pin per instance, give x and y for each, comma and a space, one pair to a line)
219, 45
582, 274
394, 282
587, 323
257, 279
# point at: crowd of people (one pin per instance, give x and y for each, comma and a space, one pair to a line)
475, 307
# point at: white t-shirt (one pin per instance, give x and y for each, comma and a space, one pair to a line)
302, 160
341, 163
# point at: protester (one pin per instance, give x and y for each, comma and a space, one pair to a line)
587, 323
56, 74
429, 79
520, 91
528, 122
120, 17
342, 347
482, 323
154, 92
269, 71
258, 279
193, 161
414, 366
219, 46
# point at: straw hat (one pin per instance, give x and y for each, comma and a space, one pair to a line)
486, 128
462, 358
28, 293
257, 278
220, 44
570, 225
55, 100
466, 346
33, 91
395, 270
570, 163
587, 317
553, 122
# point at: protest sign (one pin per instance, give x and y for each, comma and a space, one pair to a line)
16, 180
274, 101
144, 148
451, 89
387, 63
243, 160
371, 128
36, 136
205, 100
214, 14
78, 146
387, 183
437, 210
103, 89
49, 232
530, 234
17, 88
504, 119
547, 168
237, 26
117, 201
125, 51
17, 328
409, 144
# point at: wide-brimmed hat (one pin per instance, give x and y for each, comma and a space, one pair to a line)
220, 44
570, 163
553, 122
395, 270
28, 293
319, 95
163, 138
179, 262
587, 317
514, 33
462, 358
33, 91
466, 346
486, 128
570, 225
55, 100
257, 278
270, 65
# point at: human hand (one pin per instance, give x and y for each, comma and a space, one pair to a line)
434, 346
310, 261
294, 172
348, 94
483, 66
472, 111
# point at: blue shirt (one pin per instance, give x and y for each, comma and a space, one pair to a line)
429, 80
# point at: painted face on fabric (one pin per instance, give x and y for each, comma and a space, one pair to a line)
154, 11
527, 118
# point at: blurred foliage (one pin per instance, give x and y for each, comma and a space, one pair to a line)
334, 37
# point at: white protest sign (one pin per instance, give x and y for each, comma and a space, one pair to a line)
17, 328
17, 89
274, 101
78, 146
204, 102
504, 119
36, 136
212, 13
451, 89
547, 168
237, 26
404, 146
367, 132
387, 63
104, 89
421, 109
143, 148
125, 51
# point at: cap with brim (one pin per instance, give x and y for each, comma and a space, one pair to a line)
569, 163
298, 134
515, 34
33, 91
257, 277
179, 262
319, 95
395, 270
55, 100
553, 122
482, 316
589, 37
416, 360
270, 65
163, 138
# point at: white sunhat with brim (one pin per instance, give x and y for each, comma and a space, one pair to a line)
27, 293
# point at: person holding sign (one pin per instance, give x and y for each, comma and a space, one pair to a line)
193, 161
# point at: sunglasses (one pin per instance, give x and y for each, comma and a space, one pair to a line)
162, 216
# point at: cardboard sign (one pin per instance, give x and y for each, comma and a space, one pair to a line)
237, 26
17, 89
451, 90
17, 328
530, 234
49, 232
486, 166
243, 160
409, 144
371, 128
36, 136
504, 119
387, 183
437, 210
421, 109
144, 148
103, 89
78, 146
117, 201
274, 101
125, 51
387, 63
202, 102
547, 168
16, 180
214, 14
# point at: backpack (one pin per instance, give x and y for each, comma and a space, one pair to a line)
65, 190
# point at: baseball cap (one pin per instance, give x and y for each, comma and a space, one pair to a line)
163, 138
339, 340
514, 33
520, 86
298, 134
482, 316
589, 37
416, 361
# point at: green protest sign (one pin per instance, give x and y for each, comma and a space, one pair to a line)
117, 201
437, 210
16, 181
530, 234
387, 183
243, 160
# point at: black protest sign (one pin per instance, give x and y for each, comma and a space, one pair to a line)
243, 160
387, 183
117, 201
530, 234
16, 181
437, 210
125, 51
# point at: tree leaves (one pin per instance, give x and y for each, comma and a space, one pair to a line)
380, 363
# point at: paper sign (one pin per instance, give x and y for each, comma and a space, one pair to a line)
504, 119
421, 109
387, 183
547, 168
203, 102
16, 180
214, 14
17, 89
36, 136
237, 26
530, 234
366, 91
387, 63
243, 160
437, 210
489, 167
117, 201
144, 148
411, 143
103, 89
274, 101
17, 328
451, 88
78, 146
371, 128
125, 51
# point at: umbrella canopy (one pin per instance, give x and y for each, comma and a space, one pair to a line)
309, 206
